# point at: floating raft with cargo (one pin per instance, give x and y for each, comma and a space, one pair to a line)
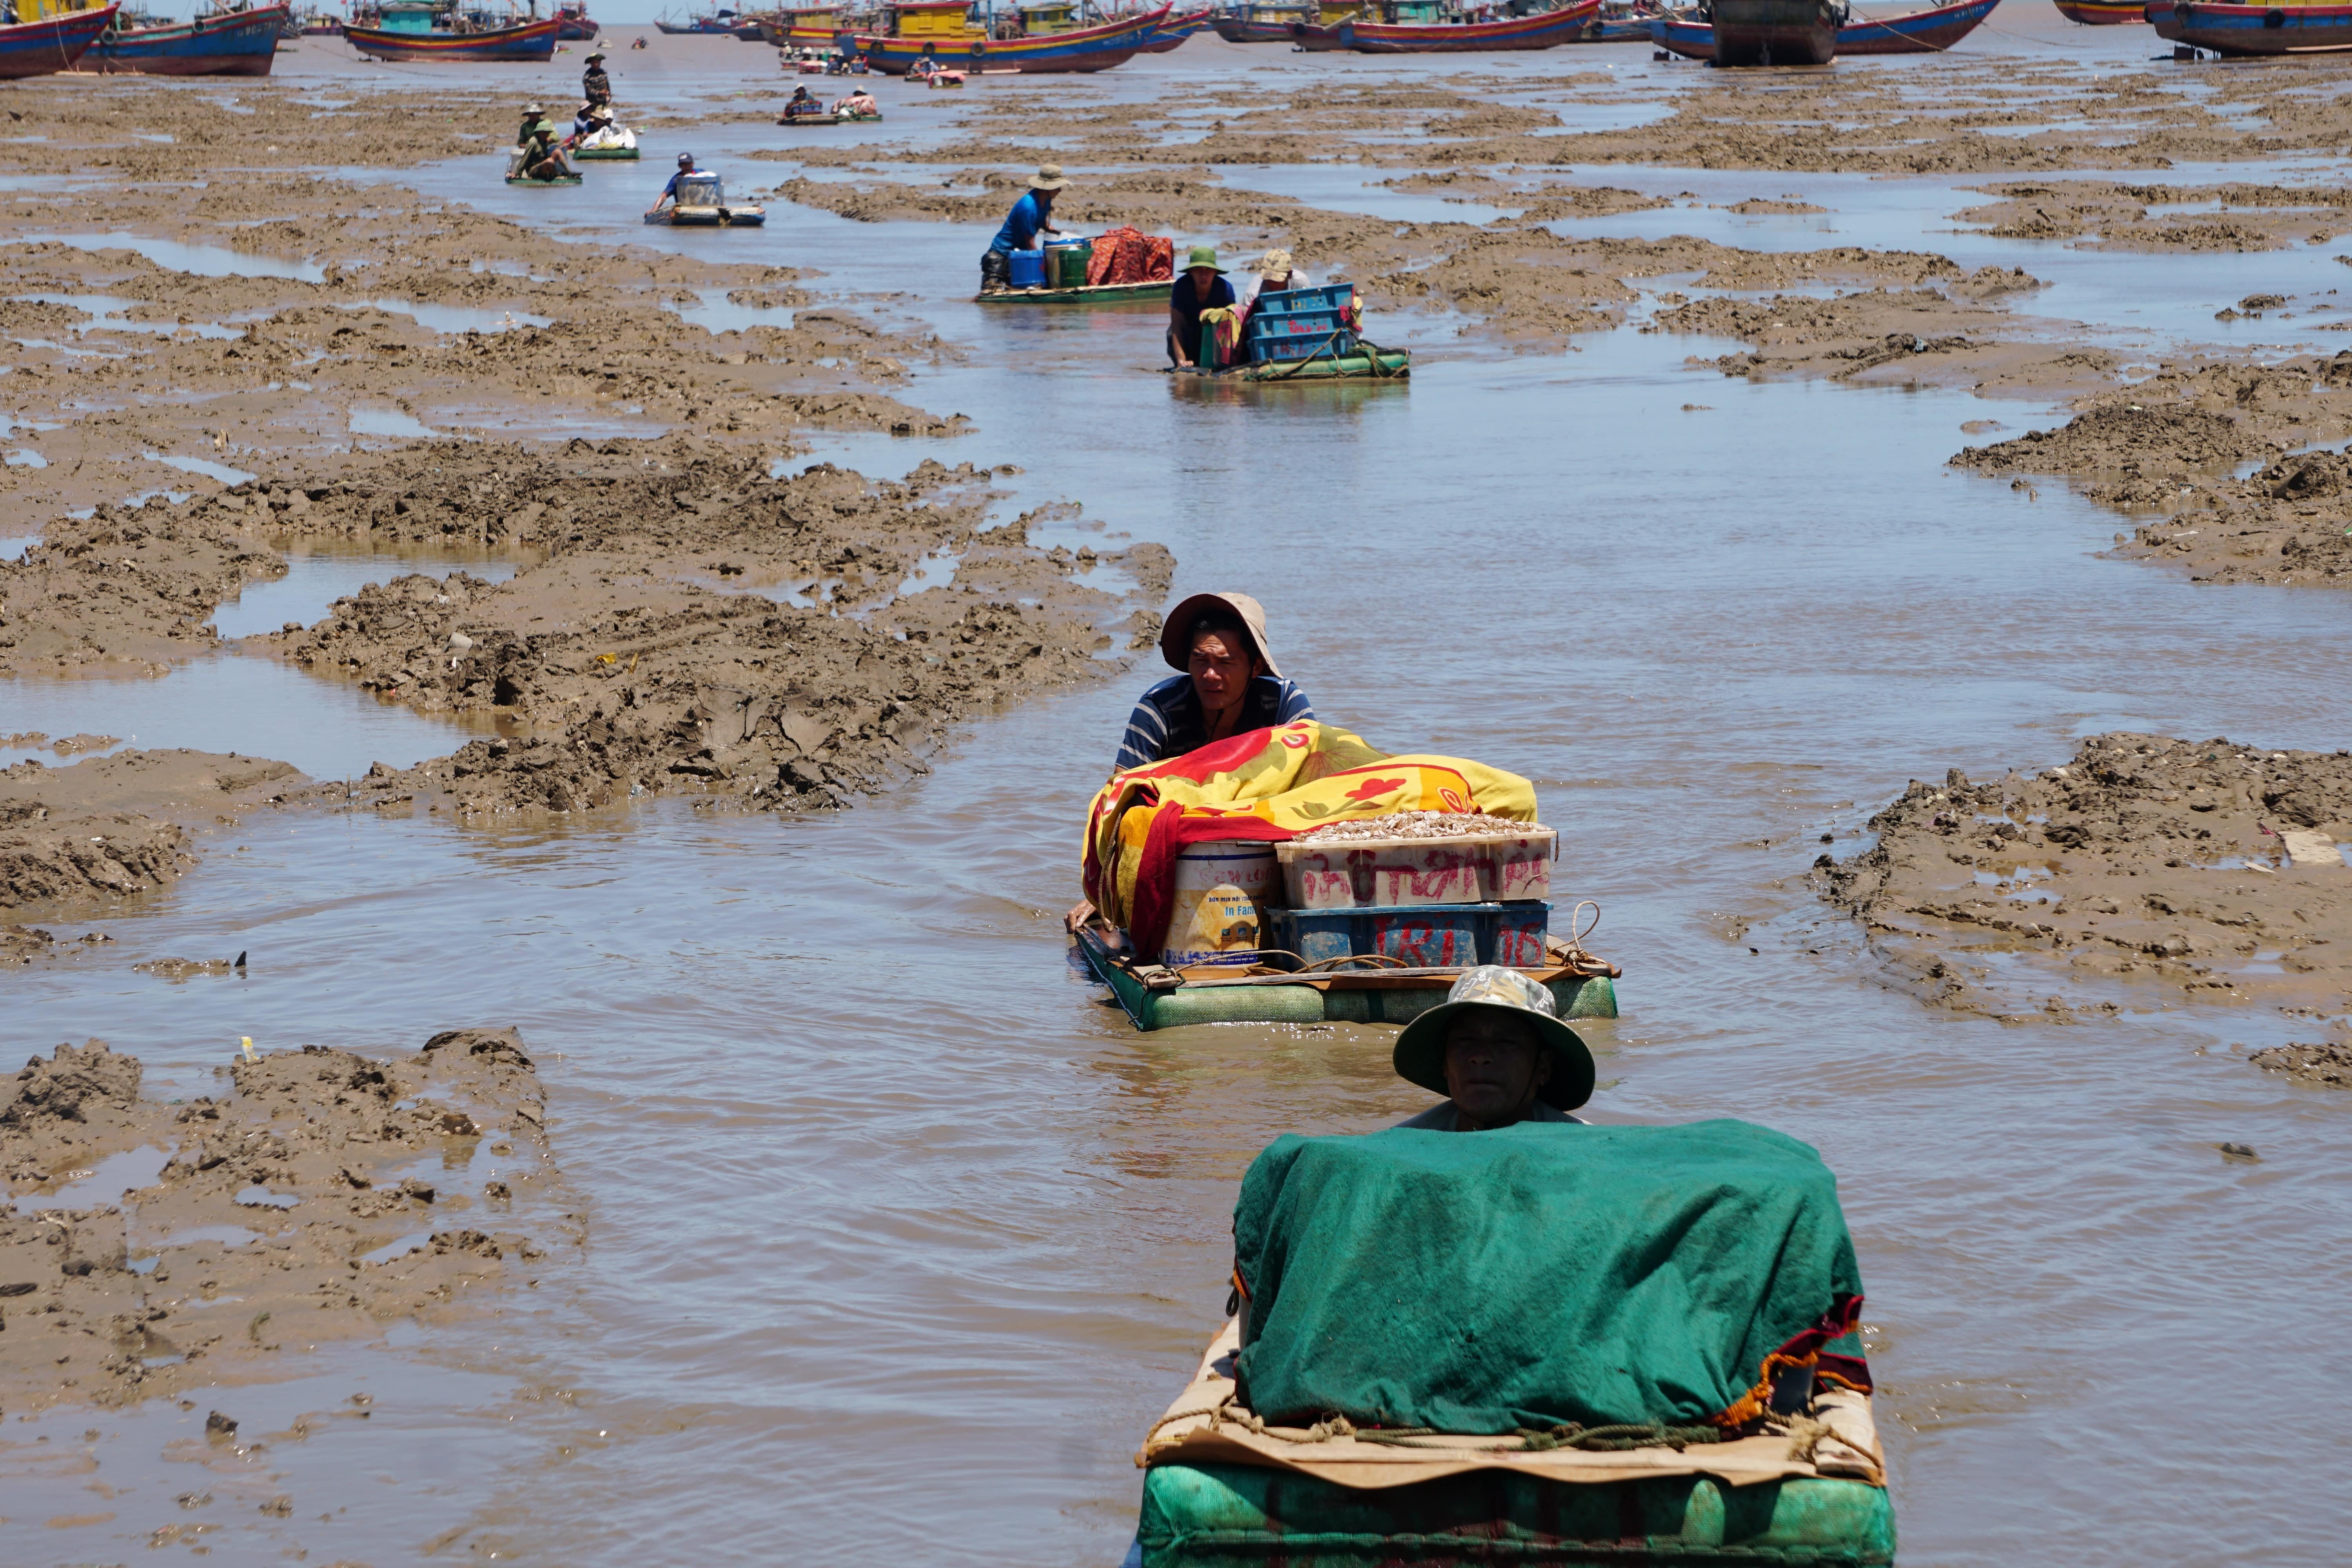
1301, 334
1134, 266
701, 203
1453, 1351
1354, 894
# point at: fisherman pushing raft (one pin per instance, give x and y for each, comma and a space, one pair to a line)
669, 192
1031, 216
1229, 685
541, 158
1203, 287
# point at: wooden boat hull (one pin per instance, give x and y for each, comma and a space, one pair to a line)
1172, 33
1087, 49
2251, 31
1098, 294
1775, 32
1919, 33
530, 41
2102, 13
1543, 30
1362, 996
51, 45
1316, 40
1633, 32
238, 43
1245, 32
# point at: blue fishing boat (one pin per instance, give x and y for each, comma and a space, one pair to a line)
52, 43
241, 42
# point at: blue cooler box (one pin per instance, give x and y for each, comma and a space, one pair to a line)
1424, 936
1028, 270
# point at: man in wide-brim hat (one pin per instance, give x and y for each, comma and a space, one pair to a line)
1202, 287
1031, 216
1229, 687
1496, 1049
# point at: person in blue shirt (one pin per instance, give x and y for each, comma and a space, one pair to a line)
1230, 685
1032, 216
669, 192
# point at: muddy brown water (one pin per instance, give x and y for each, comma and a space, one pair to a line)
898, 1236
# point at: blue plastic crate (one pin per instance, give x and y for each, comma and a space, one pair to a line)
1426, 936
1281, 351
1333, 297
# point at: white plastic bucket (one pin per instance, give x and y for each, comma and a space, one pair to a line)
1220, 894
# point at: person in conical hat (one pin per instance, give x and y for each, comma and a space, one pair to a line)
1230, 684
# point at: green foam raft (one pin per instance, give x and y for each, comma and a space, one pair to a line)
1244, 1516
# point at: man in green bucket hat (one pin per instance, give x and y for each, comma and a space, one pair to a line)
1201, 287
1496, 1049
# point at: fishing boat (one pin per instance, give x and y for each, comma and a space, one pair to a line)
1773, 32
1620, 22
574, 25
50, 42
811, 27
1256, 24
2102, 13
2247, 31
939, 30
1170, 35
225, 43
714, 24
1539, 30
438, 30
1914, 33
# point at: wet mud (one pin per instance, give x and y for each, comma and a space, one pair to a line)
2174, 443
2204, 869
316, 1195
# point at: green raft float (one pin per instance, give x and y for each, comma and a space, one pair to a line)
558, 181
1099, 294
1385, 364
1366, 989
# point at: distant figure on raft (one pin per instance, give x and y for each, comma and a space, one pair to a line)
542, 158
1031, 216
1230, 685
669, 192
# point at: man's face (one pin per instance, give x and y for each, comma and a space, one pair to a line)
1202, 278
1221, 669
1494, 1066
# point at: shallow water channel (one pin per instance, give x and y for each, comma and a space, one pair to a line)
897, 1237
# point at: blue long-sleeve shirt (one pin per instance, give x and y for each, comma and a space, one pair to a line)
1021, 226
1167, 722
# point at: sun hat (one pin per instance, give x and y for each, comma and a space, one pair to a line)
534, 109
594, 58
1176, 632
1271, 262
1202, 256
1048, 178
1420, 1055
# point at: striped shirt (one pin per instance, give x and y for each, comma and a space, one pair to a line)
1167, 722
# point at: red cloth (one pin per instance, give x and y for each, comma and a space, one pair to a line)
1129, 256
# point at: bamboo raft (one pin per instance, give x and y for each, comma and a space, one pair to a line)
1388, 364
1094, 294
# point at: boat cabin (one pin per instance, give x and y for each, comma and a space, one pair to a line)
1289, 13
1331, 13
1414, 11
1042, 18
408, 15
948, 21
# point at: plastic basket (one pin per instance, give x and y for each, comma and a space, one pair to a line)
1331, 297
1426, 936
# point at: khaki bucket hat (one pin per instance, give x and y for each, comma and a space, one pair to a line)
1420, 1057
1272, 263
1176, 632
1048, 178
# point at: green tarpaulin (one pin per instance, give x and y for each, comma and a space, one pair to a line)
1533, 1275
